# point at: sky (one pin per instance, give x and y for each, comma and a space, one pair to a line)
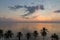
30, 10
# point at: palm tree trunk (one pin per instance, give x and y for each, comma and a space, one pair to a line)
19, 38
43, 37
27, 38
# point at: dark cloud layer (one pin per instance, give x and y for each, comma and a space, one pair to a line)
31, 9
57, 11
15, 7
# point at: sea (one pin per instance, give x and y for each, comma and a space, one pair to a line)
31, 27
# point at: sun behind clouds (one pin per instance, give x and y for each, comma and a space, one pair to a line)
42, 16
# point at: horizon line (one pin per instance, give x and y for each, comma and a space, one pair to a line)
38, 22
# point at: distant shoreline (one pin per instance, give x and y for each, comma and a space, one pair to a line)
38, 22
31, 22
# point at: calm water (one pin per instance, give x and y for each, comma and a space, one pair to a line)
30, 27
25, 27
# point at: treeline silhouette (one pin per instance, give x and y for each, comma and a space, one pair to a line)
9, 34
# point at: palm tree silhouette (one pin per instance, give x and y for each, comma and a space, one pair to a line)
44, 32
1, 33
8, 34
19, 35
54, 37
35, 34
28, 35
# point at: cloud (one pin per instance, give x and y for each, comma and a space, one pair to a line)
33, 17
42, 7
57, 11
15, 7
3, 19
30, 9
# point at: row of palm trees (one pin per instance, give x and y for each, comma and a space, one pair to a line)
8, 34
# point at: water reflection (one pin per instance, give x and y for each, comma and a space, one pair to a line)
52, 27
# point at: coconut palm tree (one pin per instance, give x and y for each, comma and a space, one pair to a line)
54, 37
44, 32
28, 35
35, 34
8, 34
1, 33
19, 35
